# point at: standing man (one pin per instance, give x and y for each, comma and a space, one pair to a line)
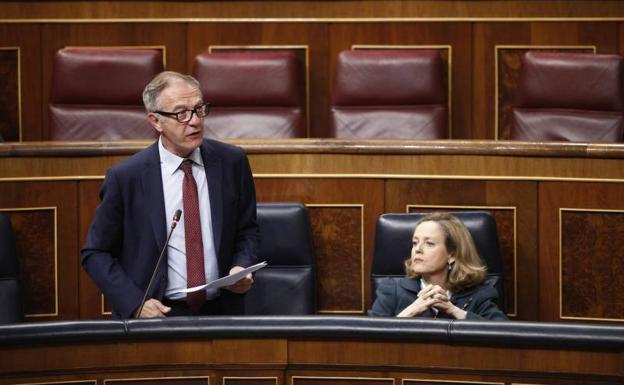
211, 182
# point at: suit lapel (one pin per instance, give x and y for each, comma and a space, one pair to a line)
410, 284
151, 182
214, 176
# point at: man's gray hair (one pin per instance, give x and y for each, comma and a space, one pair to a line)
152, 91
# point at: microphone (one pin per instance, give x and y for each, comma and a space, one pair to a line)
174, 223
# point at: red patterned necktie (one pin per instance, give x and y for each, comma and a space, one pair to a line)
195, 274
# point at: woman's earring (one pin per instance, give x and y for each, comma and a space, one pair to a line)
450, 266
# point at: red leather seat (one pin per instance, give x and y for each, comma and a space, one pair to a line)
97, 93
569, 97
252, 94
393, 94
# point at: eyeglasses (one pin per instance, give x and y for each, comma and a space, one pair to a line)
185, 116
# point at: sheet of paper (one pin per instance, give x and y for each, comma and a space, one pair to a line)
227, 280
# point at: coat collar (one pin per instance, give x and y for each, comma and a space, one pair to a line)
151, 183
410, 284
214, 177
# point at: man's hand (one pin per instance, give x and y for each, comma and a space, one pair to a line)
153, 308
243, 285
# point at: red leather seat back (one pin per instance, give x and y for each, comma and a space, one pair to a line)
96, 93
252, 94
569, 97
394, 94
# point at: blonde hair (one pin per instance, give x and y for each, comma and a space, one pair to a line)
468, 268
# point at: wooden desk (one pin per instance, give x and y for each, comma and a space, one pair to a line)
558, 206
311, 350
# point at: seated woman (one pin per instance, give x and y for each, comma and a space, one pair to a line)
445, 276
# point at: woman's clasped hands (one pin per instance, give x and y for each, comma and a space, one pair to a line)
435, 298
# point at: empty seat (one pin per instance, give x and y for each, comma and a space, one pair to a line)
252, 94
10, 288
287, 286
393, 243
569, 97
96, 93
392, 94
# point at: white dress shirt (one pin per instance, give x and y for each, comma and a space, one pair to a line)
172, 178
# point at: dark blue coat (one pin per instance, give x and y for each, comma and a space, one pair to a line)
395, 294
129, 229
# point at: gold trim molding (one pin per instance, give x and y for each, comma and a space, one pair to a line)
94, 382
103, 307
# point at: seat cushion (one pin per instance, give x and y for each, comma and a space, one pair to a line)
254, 123
404, 122
567, 125
87, 122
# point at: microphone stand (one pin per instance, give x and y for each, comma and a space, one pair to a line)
174, 222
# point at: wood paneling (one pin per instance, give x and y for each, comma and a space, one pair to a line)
251, 381
241, 350
356, 380
586, 258
307, 361
341, 181
35, 238
27, 38
36, 232
455, 35
338, 233
56, 36
413, 381
510, 202
430, 357
160, 380
592, 264
313, 35
342, 212
9, 94
311, 9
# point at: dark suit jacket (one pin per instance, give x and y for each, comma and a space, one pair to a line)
395, 294
129, 228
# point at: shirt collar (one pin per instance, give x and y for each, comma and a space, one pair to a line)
172, 162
